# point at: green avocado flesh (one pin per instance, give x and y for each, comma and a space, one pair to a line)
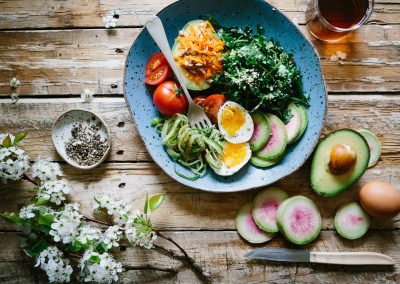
190, 84
326, 183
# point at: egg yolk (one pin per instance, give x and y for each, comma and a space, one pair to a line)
234, 154
232, 119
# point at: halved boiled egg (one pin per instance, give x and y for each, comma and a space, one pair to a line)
233, 158
235, 123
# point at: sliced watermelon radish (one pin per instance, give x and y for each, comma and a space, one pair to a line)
277, 140
265, 205
351, 221
298, 218
374, 146
304, 121
293, 127
248, 229
261, 163
261, 131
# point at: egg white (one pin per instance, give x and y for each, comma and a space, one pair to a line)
224, 170
244, 133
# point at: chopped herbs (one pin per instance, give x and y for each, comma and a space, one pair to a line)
86, 146
257, 73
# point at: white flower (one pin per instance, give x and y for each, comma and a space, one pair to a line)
54, 191
88, 233
139, 233
112, 236
57, 268
66, 223
14, 98
14, 83
114, 206
28, 212
87, 95
99, 268
13, 163
338, 56
45, 170
110, 22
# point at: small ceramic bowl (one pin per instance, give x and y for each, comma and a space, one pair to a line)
61, 133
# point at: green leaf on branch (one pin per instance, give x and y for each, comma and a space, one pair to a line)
12, 217
94, 259
37, 248
103, 247
40, 201
146, 204
45, 219
77, 246
6, 141
20, 136
156, 201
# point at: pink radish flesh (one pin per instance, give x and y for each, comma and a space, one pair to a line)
302, 221
269, 208
273, 138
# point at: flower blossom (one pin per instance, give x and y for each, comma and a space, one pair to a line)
113, 205
28, 212
65, 226
99, 268
88, 234
45, 170
110, 21
14, 83
52, 261
87, 95
13, 163
54, 191
14, 98
112, 236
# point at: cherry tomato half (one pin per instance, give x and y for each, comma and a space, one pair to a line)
199, 100
154, 62
211, 106
169, 99
158, 76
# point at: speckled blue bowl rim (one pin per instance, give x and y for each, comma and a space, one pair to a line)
195, 184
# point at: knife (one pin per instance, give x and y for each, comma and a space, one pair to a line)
304, 255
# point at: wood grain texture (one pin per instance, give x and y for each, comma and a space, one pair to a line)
190, 209
380, 114
64, 62
221, 256
88, 13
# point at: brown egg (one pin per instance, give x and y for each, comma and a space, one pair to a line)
380, 199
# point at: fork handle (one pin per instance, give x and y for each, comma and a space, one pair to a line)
156, 30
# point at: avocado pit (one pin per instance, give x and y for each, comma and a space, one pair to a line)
342, 159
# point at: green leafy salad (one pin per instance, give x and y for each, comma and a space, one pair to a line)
256, 72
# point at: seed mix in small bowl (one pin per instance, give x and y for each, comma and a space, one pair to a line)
81, 138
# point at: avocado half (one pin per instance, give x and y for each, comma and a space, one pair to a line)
326, 183
190, 84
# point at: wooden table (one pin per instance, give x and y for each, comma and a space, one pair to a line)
58, 48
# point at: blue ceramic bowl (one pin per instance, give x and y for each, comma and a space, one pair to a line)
240, 13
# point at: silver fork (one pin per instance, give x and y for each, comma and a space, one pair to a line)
196, 115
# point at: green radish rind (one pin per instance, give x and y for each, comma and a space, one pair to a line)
304, 121
277, 140
247, 228
328, 184
374, 145
261, 163
270, 197
294, 126
351, 221
190, 84
261, 129
284, 213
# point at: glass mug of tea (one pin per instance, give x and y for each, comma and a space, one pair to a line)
330, 20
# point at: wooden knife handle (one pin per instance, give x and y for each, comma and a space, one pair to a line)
351, 258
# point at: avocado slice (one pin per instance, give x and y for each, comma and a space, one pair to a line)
323, 181
190, 84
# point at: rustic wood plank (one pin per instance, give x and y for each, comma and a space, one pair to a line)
67, 61
220, 254
380, 114
190, 209
26, 14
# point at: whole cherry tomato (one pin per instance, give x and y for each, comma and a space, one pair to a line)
169, 99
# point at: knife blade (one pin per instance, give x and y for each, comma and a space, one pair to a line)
304, 255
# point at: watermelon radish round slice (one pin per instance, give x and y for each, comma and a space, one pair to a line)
248, 229
298, 218
374, 146
261, 163
277, 140
265, 205
293, 127
351, 221
261, 131
304, 121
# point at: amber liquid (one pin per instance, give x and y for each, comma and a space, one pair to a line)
340, 14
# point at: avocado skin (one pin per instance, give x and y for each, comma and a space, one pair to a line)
362, 160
